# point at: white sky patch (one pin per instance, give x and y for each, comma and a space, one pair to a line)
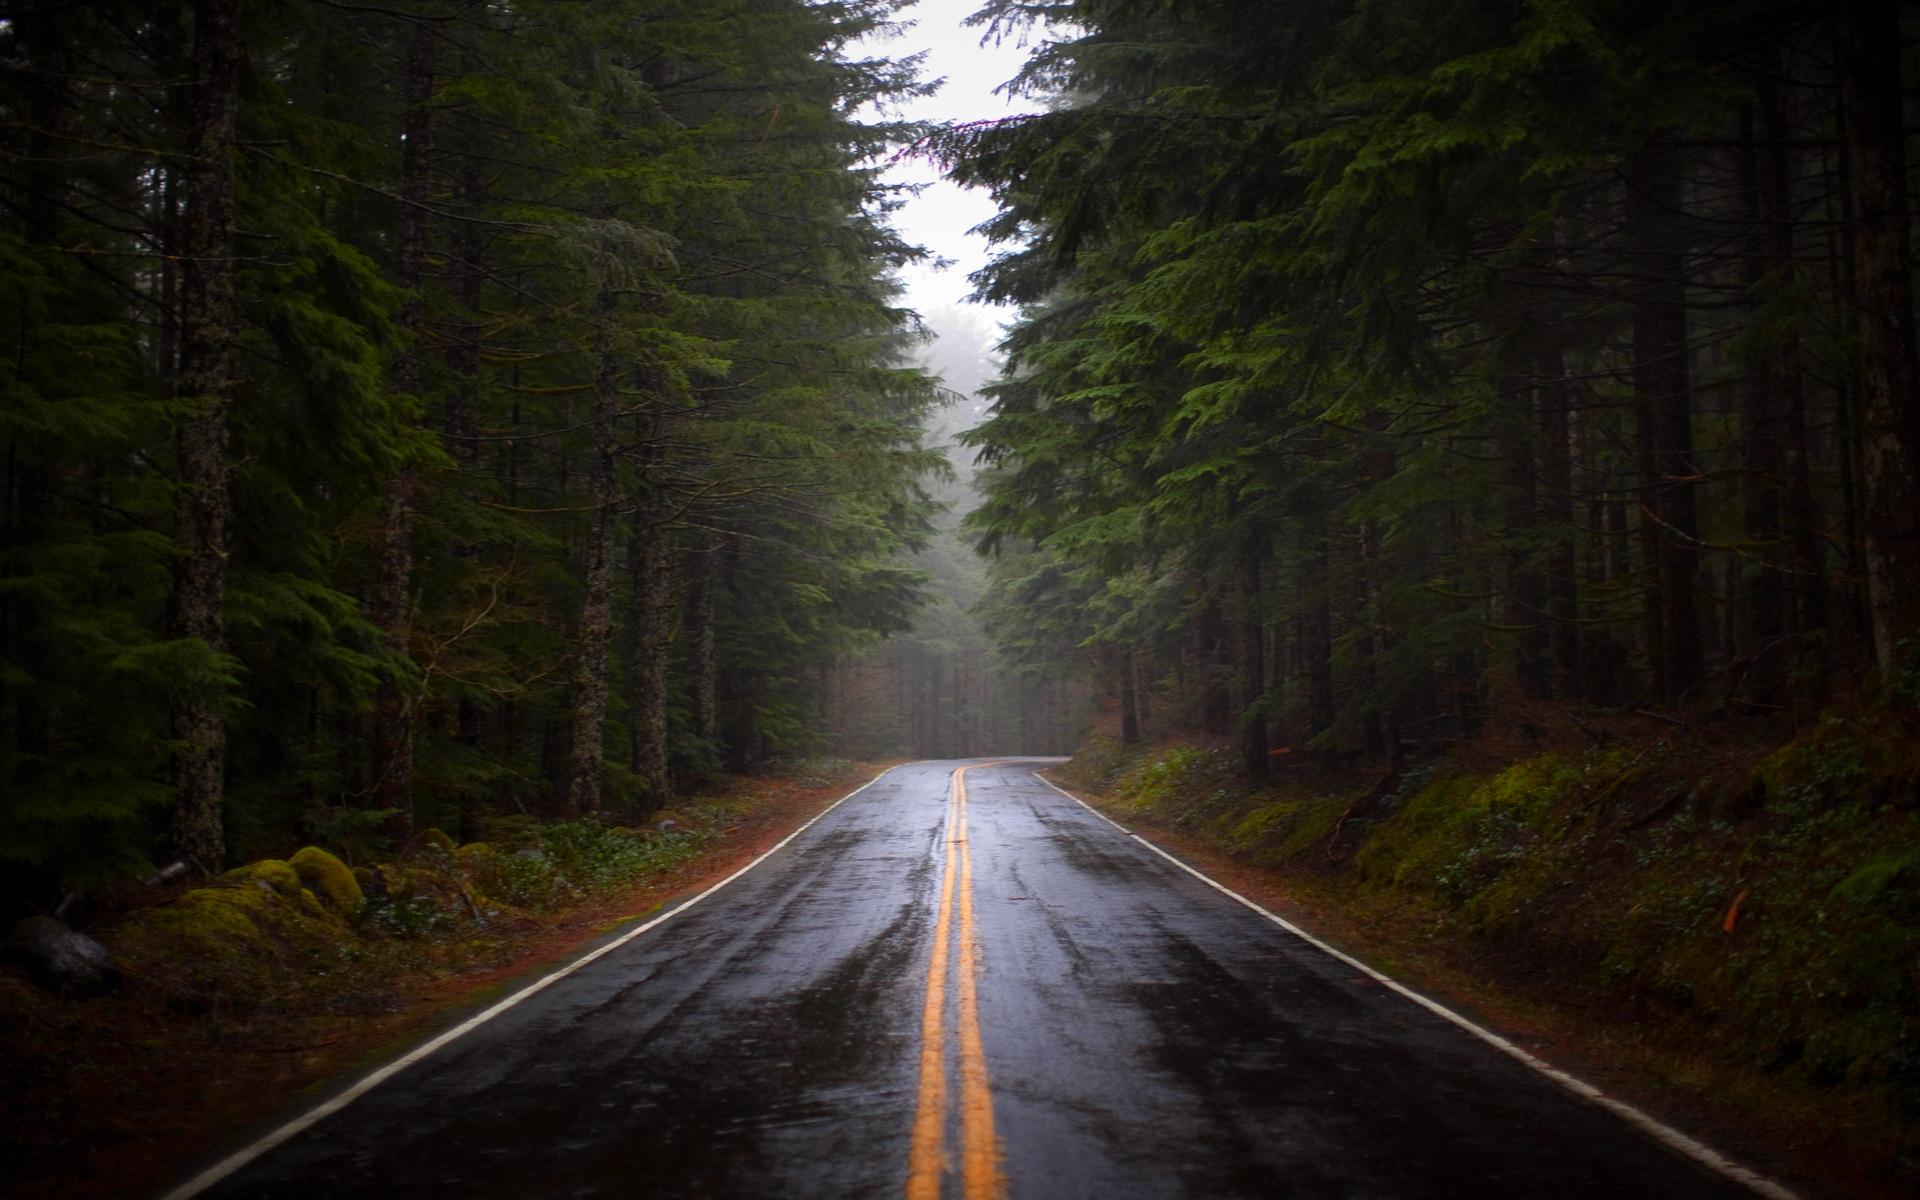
940, 216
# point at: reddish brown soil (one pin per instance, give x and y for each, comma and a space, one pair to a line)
119, 1096
1797, 1141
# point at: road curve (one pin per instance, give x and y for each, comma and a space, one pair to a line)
1134, 1033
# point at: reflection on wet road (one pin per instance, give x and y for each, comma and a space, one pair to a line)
1137, 1034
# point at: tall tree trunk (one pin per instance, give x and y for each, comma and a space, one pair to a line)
595, 633
1761, 611
1216, 706
936, 739
1140, 671
392, 598
701, 567
1317, 629
1121, 664
1663, 387
1889, 415
1799, 513
1556, 512
463, 348
649, 562
209, 327
1523, 591
1379, 721
1250, 655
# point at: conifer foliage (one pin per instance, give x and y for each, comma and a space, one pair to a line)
423, 409
1382, 363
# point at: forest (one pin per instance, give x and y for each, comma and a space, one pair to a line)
423, 410
1384, 370
474, 480
426, 409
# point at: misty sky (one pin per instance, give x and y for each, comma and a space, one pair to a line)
941, 215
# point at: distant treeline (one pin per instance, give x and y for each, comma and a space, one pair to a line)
1382, 362
430, 408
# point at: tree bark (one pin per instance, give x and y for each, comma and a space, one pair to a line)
208, 329
1216, 705
392, 599
1889, 420
1121, 664
1556, 513
1523, 604
595, 633
701, 676
650, 563
1140, 671
1762, 618
1799, 513
1662, 380
1318, 639
1250, 652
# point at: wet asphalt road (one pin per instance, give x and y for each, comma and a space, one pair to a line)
1143, 1035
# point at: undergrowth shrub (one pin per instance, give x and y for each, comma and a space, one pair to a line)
814, 771
1096, 763
1185, 786
1771, 913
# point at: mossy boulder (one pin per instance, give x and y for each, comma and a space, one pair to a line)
236, 942
420, 883
269, 874
479, 863
436, 840
329, 879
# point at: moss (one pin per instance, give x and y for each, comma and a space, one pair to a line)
435, 839
1431, 829
1257, 824
1893, 876
1282, 826
329, 879
479, 863
1765, 915
240, 942
1185, 786
270, 874
1096, 764
420, 883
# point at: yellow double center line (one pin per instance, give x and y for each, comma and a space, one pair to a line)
980, 1177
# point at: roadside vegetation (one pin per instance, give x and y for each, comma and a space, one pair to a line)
1733, 919
229, 996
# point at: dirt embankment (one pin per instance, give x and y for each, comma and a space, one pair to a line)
1724, 934
243, 997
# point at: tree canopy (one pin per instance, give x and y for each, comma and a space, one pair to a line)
1381, 364
422, 410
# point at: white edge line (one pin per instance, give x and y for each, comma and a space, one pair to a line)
1665, 1134
321, 1112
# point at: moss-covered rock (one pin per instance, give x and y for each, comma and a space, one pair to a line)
236, 942
269, 874
479, 863
436, 839
329, 879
